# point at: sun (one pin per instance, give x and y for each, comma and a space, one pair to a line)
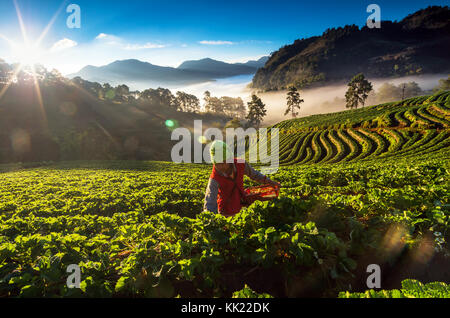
27, 54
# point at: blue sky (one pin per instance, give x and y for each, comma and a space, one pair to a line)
167, 32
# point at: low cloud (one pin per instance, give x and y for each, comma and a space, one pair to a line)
104, 36
63, 45
133, 47
320, 100
115, 40
216, 42
331, 98
108, 39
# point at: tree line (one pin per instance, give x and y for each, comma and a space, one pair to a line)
158, 97
229, 106
163, 97
359, 91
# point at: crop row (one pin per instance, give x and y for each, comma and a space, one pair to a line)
426, 112
123, 225
332, 146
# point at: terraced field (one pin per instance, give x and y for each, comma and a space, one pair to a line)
398, 129
366, 186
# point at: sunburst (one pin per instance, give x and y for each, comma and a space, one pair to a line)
28, 53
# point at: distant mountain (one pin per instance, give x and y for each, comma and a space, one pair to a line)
217, 69
126, 71
418, 44
188, 72
258, 64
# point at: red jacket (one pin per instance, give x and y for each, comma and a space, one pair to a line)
230, 191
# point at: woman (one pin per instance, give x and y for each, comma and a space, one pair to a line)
225, 190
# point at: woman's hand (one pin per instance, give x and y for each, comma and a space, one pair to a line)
274, 183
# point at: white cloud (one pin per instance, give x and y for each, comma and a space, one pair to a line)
104, 36
63, 45
216, 42
115, 40
108, 38
133, 47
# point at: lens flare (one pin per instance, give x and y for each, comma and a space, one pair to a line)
111, 94
20, 141
169, 123
202, 139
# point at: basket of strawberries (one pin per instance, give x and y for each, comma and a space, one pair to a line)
261, 193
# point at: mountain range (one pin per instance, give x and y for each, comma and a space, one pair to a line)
418, 44
189, 72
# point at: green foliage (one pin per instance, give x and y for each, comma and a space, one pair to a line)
76, 119
410, 289
229, 106
293, 101
372, 132
256, 111
389, 92
136, 228
358, 90
247, 292
341, 52
187, 102
444, 84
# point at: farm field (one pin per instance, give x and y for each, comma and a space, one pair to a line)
418, 125
366, 186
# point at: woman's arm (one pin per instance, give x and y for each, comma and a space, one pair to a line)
211, 196
258, 176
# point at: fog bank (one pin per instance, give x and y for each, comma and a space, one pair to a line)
319, 100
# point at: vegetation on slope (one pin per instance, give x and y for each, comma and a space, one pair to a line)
378, 131
418, 44
136, 228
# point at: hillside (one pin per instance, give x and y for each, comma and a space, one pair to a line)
414, 126
135, 71
189, 72
216, 69
418, 44
73, 123
378, 195
258, 63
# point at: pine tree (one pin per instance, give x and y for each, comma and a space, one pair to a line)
256, 111
444, 85
206, 98
293, 101
358, 90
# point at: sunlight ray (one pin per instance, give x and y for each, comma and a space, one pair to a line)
50, 24
106, 132
83, 91
5, 88
11, 43
39, 96
21, 23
